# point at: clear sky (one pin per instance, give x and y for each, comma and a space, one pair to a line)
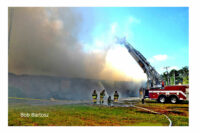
159, 33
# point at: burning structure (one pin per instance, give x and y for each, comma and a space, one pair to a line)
47, 87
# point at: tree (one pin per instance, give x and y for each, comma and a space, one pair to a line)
177, 76
165, 78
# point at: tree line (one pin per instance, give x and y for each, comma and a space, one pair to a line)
175, 77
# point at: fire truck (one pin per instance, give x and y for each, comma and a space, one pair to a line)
155, 88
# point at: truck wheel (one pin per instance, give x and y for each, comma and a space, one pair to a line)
162, 99
174, 99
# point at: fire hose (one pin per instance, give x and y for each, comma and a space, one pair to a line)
170, 122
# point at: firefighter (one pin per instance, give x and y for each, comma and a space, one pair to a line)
94, 96
102, 94
116, 96
141, 92
109, 100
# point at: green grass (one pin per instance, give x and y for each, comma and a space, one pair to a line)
178, 113
95, 115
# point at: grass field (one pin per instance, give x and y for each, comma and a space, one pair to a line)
96, 115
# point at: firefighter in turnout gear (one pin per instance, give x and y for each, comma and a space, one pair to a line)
102, 94
141, 92
109, 100
116, 96
94, 96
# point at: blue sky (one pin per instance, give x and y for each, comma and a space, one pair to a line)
159, 33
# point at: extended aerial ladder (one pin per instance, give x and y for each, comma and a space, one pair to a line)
155, 86
154, 80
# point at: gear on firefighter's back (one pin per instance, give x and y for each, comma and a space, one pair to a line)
102, 94
94, 96
116, 96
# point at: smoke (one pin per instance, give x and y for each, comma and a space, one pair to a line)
46, 41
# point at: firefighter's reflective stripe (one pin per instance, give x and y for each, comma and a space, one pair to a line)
94, 100
94, 96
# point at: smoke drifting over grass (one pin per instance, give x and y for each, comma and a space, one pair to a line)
45, 41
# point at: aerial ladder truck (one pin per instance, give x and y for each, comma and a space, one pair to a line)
155, 88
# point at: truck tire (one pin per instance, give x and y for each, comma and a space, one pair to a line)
162, 99
174, 99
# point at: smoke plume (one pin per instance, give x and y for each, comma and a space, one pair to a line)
45, 41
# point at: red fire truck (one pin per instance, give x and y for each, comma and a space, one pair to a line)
155, 86
173, 94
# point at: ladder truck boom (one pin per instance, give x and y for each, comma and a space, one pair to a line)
153, 77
